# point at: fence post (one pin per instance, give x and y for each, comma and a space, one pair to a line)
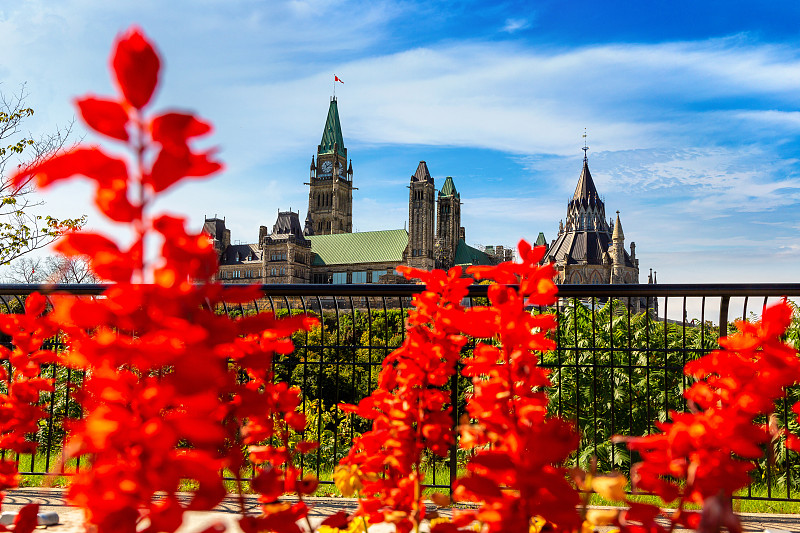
454, 447
723, 315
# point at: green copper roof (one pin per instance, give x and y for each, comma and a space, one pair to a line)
385, 246
467, 255
449, 188
332, 134
541, 240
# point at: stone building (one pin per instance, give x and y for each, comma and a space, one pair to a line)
589, 248
325, 249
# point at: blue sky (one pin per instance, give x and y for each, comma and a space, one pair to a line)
692, 111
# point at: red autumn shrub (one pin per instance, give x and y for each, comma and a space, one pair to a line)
163, 400
706, 455
517, 472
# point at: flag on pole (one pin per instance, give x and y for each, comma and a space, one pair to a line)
336, 78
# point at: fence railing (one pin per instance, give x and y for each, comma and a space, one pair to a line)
618, 366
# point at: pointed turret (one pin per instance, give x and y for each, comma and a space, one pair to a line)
421, 216
449, 188
332, 140
585, 189
541, 240
313, 166
350, 169
618, 235
422, 173
448, 224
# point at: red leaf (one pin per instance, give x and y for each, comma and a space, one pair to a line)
35, 304
338, 520
172, 130
27, 519
113, 201
108, 117
105, 257
170, 167
90, 244
89, 162
135, 64
306, 446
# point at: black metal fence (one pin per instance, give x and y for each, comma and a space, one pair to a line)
617, 368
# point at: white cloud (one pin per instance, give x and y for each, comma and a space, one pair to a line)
515, 24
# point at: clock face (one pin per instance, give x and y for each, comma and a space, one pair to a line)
340, 168
326, 167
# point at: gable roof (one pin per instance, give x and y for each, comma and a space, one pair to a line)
332, 133
385, 246
467, 255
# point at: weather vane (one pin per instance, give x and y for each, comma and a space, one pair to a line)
585, 146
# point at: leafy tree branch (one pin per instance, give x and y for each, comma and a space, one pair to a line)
22, 228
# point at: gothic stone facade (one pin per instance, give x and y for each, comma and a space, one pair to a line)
325, 249
589, 248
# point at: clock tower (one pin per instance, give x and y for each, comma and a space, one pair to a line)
330, 195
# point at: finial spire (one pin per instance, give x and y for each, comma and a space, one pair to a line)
585, 146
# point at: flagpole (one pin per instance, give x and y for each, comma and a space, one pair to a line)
334, 85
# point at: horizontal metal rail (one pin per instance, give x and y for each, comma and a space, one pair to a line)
476, 290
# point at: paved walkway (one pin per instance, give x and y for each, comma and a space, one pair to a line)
227, 513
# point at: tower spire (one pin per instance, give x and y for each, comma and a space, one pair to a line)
585, 147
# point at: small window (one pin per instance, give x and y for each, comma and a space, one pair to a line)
283, 271
360, 277
273, 271
376, 275
339, 278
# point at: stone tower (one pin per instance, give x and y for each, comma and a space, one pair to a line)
448, 224
617, 253
220, 235
287, 253
589, 248
330, 196
421, 210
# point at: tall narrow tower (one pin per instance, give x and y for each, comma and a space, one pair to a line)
330, 195
421, 199
617, 253
448, 224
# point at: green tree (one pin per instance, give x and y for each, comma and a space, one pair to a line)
22, 228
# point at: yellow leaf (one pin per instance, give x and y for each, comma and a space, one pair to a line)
611, 487
601, 517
